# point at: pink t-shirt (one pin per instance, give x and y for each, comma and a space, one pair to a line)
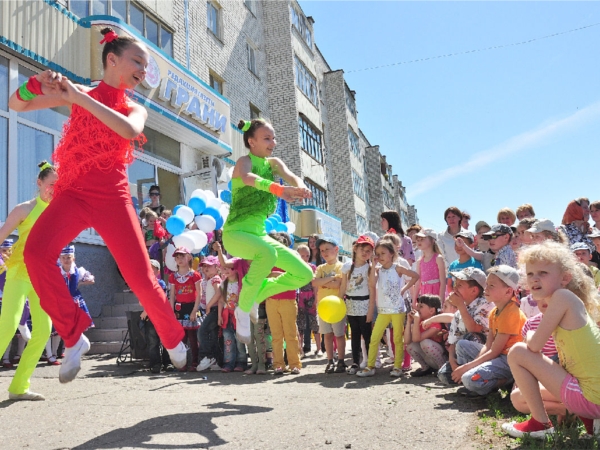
533, 323
287, 295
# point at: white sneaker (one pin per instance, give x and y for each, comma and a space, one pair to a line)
512, 431
25, 332
71, 363
366, 372
396, 372
215, 367
205, 364
242, 326
178, 355
363, 364
28, 395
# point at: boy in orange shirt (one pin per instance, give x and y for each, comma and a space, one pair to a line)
488, 367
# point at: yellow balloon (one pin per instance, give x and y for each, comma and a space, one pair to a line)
331, 309
195, 263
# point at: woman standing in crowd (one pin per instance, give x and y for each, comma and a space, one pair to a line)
453, 217
390, 223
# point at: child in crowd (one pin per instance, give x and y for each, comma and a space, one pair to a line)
506, 216
500, 236
234, 351
525, 211
583, 253
165, 216
556, 280
466, 220
307, 308
543, 230
157, 354
282, 313
463, 239
74, 277
470, 321
148, 229
485, 367
328, 280
431, 266
521, 234
185, 293
390, 305
425, 346
208, 333
358, 289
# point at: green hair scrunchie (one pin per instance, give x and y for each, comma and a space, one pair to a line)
46, 166
247, 125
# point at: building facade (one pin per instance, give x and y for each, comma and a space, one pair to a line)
212, 64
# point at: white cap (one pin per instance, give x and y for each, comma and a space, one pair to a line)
427, 232
507, 274
542, 225
471, 273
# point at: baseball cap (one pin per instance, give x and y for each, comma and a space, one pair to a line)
181, 251
210, 261
497, 230
594, 234
579, 246
365, 240
427, 232
7, 243
507, 274
481, 224
471, 273
327, 240
466, 234
542, 225
154, 263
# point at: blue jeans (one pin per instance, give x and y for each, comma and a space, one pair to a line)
486, 377
234, 352
208, 335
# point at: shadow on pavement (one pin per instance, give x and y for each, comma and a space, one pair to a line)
141, 434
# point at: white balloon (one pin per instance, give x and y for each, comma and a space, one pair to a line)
206, 223
209, 194
184, 240
215, 203
169, 259
186, 213
200, 240
199, 193
224, 209
291, 226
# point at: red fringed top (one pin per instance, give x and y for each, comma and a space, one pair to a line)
88, 144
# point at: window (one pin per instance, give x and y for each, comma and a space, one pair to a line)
306, 81
254, 112
128, 12
358, 184
299, 23
212, 18
361, 224
388, 200
319, 196
354, 143
350, 102
310, 140
251, 52
215, 81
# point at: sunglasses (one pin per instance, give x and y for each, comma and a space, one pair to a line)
490, 237
154, 194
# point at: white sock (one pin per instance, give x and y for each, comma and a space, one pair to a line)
20, 347
364, 349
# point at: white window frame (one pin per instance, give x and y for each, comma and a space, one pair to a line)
306, 81
358, 184
217, 32
251, 52
354, 142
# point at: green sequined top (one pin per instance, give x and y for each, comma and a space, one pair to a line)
247, 201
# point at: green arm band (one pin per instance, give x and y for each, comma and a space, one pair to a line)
262, 185
25, 94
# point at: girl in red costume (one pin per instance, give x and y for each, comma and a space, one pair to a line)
93, 191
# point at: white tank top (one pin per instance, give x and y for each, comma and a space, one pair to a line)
389, 285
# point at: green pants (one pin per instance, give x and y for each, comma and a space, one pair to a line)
381, 323
249, 241
13, 302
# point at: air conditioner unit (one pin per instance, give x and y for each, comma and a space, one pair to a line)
218, 165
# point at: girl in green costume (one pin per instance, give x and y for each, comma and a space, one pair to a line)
18, 288
254, 197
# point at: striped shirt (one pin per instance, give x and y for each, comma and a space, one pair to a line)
532, 324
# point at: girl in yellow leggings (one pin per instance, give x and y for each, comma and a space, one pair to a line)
18, 288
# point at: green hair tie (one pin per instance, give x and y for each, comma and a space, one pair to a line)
46, 166
247, 125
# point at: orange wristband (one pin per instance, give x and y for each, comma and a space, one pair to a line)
276, 189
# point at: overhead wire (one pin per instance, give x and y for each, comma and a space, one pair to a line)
495, 47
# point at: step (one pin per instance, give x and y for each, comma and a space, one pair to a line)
106, 334
98, 348
104, 323
119, 310
125, 298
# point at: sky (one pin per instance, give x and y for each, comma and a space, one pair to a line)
481, 130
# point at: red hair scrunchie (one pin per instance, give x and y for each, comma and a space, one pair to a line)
392, 231
109, 37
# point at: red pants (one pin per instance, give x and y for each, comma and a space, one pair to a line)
101, 201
